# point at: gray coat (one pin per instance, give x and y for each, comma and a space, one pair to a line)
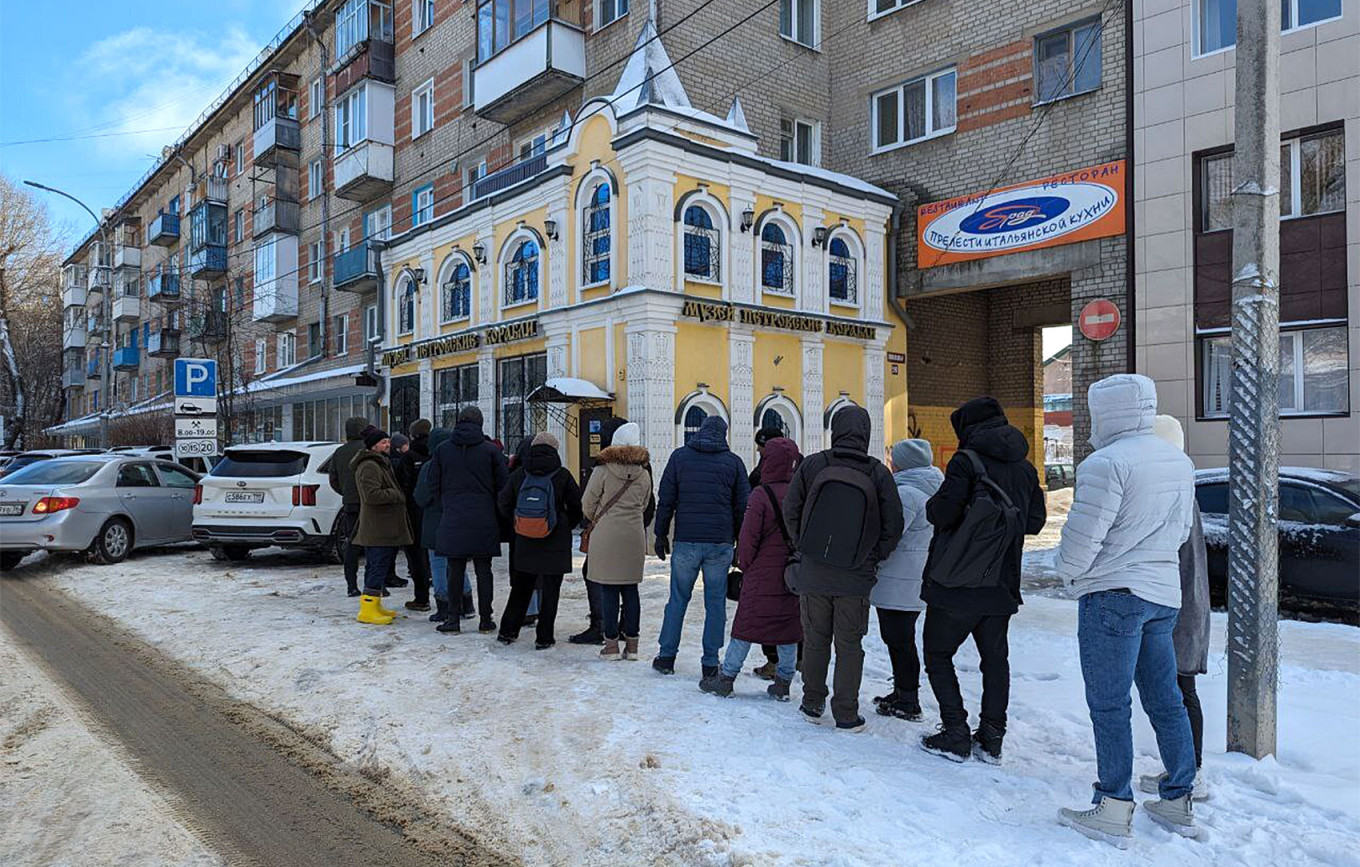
1191, 636
899, 576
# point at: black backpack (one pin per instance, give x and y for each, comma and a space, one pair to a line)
970, 554
840, 522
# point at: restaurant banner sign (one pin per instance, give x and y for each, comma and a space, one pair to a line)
1062, 209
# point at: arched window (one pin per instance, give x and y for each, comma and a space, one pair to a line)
456, 294
772, 419
841, 276
776, 260
406, 307
694, 419
836, 406
777, 411
595, 243
521, 274
702, 245
697, 406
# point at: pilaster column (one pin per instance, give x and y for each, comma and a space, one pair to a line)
874, 288
741, 277
558, 345
812, 282
651, 221
427, 389
486, 391
558, 278
814, 404
741, 395
651, 387
488, 279
874, 358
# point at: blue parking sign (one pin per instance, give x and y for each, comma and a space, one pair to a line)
195, 377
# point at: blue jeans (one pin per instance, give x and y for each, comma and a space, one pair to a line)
439, 575
736, 658
532, 610
1124, 641
687, 560
378, 562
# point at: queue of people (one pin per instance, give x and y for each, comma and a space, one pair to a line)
806, 546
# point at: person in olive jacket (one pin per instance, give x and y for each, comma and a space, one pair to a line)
383, 525
540, 562
341, 479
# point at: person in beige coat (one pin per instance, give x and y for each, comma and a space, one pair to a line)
618, 504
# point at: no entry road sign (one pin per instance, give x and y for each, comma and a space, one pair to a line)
1099, 320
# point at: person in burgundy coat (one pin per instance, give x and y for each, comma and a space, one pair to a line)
767, 612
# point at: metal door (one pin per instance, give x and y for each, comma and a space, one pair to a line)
405, 403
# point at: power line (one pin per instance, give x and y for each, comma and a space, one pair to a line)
28, 141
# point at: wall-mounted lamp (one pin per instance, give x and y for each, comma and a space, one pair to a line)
748, 219
819, 236
479, 253
550, 229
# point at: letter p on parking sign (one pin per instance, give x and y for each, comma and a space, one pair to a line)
195, 377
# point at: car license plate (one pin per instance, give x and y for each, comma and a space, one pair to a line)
245, 497
11, 508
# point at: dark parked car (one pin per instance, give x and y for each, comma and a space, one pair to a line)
1059, 476
1319, 535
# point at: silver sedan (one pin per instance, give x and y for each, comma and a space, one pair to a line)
104, 505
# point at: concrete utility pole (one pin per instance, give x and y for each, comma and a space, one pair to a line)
1254, 420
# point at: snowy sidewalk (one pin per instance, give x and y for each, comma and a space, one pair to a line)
569, 760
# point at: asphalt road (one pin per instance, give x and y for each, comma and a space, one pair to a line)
254, 788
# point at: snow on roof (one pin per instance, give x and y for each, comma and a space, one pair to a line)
736, 116
649, 68
827, 175
568, 389
279, 381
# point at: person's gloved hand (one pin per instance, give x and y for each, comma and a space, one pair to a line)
663, 547
735, 564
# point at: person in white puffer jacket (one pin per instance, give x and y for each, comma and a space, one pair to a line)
1132, 510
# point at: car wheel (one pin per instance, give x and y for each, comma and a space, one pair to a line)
334, 550
10, 559
234, 553
113, 544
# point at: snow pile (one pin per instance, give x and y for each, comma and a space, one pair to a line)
564, 759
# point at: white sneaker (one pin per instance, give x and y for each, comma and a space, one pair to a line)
1150, 784
1110, 821
1176, 816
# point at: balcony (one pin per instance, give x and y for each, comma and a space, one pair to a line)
126, 358
97, 281
276, 279
162, 287
163, 343
209, 189
127, 257
539, 68
277, 216
163, 231
509, 176
207, 325
363, 45
73, 335
209, 262
73, 294
355, 270
364, 172
127, 308
274, 136
73, 377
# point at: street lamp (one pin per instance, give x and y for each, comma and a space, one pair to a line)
106, 347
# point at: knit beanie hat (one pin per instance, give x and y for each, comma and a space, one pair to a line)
421, 427
354, 427
399, 440
546, 439
628, 434
374, 436
766, 434
907, 454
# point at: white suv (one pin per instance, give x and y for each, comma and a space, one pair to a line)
269, 494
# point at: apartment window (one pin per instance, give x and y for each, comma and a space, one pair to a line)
883, 7
1216, 20
406, 307
474, 174
357, 21
315, 179
841, 268
422, 109
372, 329
340, 334
317, 99
313, 339
518, 379
798, 21
378, 224
521, 274
238, 228
422, 205
342, 240
264, 263
316, 261
799, 142
261, 355
595, 237
1312, 180
702, 245
469, 80
350, 120
457, 389
776, 259
240, 293
610, 11
422, 16
534, 146
172, 207
1067, 61
1302, 13
1313, 372
287, 349
240, 149
917, 110
456, 295
501, 22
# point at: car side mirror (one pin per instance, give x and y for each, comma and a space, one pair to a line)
1353, 521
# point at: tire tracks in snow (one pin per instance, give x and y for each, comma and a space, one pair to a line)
256, 788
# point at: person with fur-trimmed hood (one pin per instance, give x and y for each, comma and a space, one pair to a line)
619, 504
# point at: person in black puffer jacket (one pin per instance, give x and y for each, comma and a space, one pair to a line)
406, 467
540, 562
953, 614
341, 478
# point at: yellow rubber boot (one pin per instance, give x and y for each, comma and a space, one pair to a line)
370, 612
388, 611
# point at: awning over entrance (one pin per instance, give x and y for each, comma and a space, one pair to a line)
559, 394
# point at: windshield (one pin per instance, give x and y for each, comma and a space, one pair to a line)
247, 464
54, 472
1350, 486
22, 461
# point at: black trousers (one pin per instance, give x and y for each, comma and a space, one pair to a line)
593, 596
1192, 708
522, 586
771, 652
350, 516
485, 580
612, 598
944, 632
898, 629
418, 564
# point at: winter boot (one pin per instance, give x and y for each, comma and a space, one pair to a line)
1151, 783
395, 581
766, 671
951, 742
987, 742
852, 725
469, 607
610, 651
717, 684
779, 690
385, 610
545, 645
353, 591
413, 605
630, 648
1110, 821
709, 670
441, 610
1176, 816
590, 636
369, 612
664, 664
812, 713
452, 624
903, 705
487, 626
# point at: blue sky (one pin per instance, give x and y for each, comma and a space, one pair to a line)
117, 80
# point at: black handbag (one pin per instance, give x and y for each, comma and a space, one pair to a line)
734, 579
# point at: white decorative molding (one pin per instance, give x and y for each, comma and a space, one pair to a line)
557, 260
557, 350
812, 287
487, 280
651, 387
874, 288
427, 388
874, 359
741, 394
486, 390
814, 435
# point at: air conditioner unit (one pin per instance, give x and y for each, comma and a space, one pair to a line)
224, 152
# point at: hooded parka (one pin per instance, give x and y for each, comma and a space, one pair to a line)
382, 503
550, 555
899, 576
431, 507
618, 543
466, 474
767, 612
704, 488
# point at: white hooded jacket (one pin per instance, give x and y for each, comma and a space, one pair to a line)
1133, 504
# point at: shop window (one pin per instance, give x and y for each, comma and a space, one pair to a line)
776, 260
406, 307
841, 276
702, 245
456, 294
595, 234
1312, 180
457, 389
914, 111
1067, 61
1314, 375
518, 379
521, 274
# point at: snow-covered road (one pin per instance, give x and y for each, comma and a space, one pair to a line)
569, 760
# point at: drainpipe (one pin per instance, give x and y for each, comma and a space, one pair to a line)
895, 296
310, 19
1130, 235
